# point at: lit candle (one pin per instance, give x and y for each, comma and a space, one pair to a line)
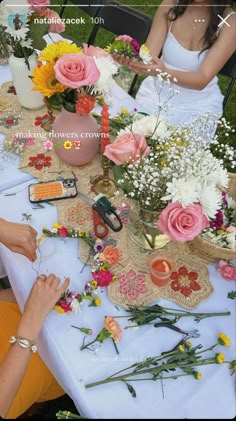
161, 267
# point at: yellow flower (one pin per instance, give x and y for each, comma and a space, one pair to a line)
108, 48
44, 79
53, 51
59, 309
97, 301
124, 111
80, 233
114, 278
56, 225
68, 145
181, 348
188, 344
198, 375
94, 284
220, 358
223, 340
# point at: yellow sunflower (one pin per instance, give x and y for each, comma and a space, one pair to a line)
67, 145
53, 51
45, 81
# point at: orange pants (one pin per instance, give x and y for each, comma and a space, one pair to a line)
38, 384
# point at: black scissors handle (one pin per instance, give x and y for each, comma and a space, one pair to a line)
109, 216
170, 326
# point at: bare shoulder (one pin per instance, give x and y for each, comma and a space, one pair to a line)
228, 24
165, 7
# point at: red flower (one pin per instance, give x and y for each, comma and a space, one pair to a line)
184, 281
40, 161
10, 121
40, 121
103, 277
62, 231
85, 104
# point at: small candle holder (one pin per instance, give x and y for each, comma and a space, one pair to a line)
105, 185
161, 266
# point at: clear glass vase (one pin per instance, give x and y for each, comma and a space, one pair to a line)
142, 227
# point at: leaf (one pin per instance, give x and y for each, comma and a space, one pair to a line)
232, 295
36, 33
130, 389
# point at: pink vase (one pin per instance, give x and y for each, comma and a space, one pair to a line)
75, 137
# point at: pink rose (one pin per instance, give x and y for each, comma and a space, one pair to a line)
76, 70
39, 5
226, 270
94, 51
127, 147
56, 25
125, 38
182, 224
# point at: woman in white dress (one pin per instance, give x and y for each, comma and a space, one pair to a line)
196, 39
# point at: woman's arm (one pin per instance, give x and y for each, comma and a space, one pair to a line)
159, 29
215, 59
19, 238
43, 296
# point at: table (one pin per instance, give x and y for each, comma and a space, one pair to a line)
59, 343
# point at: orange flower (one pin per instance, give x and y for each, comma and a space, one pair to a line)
110, 254
85, 104
113, 327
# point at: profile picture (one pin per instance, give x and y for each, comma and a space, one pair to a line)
17, 21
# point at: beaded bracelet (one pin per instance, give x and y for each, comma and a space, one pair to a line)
23, 342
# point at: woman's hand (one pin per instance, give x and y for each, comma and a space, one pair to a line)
151, 69
122, 59
43, 296
19, 238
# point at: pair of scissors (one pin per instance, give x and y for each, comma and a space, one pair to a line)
100, 228
109, 216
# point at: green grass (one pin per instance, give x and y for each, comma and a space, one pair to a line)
81, 32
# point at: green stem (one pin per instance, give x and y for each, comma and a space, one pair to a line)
155, 371
86, 346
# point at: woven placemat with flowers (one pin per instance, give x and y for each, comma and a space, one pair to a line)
189, 284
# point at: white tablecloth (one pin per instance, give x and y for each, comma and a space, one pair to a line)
59, 344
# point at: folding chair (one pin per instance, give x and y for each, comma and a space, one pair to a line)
92, 10
121, 19
229, 70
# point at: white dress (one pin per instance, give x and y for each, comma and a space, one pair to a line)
188, 104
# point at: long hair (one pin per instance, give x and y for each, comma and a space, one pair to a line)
211, 32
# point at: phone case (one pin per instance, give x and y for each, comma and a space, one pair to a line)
52, 190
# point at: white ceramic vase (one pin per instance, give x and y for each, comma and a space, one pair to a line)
22, 82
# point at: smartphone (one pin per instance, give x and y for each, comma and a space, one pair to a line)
52, 190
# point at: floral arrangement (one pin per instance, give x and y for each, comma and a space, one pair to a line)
183, 361
110, 330
21, 33
76, 78
164, 168
227, 270
221, 231
124, 44
105, 255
